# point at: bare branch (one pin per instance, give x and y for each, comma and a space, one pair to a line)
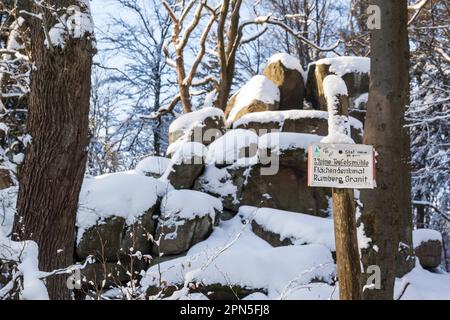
201, 53
255, 36
170, 12
418, 8
163, 110
190, 28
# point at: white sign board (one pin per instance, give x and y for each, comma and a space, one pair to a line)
341, 166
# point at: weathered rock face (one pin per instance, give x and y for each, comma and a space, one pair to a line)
228, 161
178, 237
272, 238
254, 184
259, 94
202, 126
252, 106
138, 236
187, 217
353, 70
286, 72
103, 240
182, 176
298, 121
429, 253
284, 228
225, 184
186, 166
286, 190
285, 186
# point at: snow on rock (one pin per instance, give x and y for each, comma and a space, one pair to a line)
187, 217
347, 64
186, 165
188, 151
125, 195
152, 165
288, 61
424, 235
277, 142
232, 146
202, 126
420, 284
361, 101
174, 146
281, 116
188, 205
257, 88
338, 125
217, 181
189, 120
233, 255
221, 182
355, 123
297, 227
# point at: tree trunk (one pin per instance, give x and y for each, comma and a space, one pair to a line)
183, 89
386, 214
51, 177
420, 216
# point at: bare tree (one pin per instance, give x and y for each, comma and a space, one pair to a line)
428, 115
15, 68
144, 82
316, 20
103, 155
229, 37
180, 37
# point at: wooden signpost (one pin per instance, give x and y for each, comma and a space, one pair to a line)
343, 167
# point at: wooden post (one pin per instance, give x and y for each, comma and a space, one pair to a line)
347, 252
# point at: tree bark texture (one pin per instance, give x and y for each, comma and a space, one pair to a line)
52, 174
386, 214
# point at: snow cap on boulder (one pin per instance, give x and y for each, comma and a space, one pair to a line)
152, 166
287, 73
234, 145
201, 126
258, 94
187, 217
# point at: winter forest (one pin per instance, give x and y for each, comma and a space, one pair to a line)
224, 150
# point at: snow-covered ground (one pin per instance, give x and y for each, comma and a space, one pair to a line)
234, 255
